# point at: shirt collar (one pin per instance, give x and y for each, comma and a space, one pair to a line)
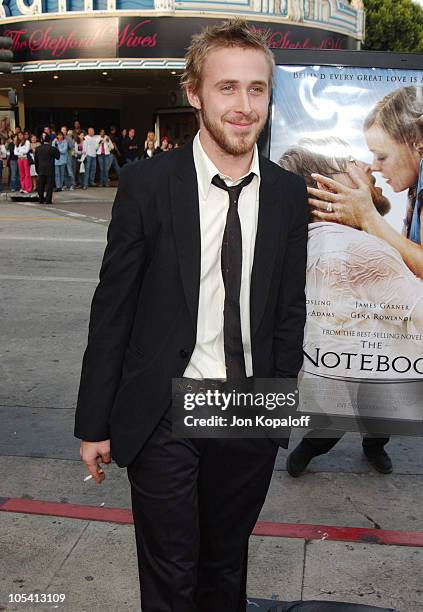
206, 169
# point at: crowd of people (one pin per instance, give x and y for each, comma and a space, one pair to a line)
86, 158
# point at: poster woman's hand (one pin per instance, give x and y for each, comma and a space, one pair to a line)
336, 202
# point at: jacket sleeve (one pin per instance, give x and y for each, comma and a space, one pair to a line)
291, 309
112, 310
36, 161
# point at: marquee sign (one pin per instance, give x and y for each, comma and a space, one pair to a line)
141, 37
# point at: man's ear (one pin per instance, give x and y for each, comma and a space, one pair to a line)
193, 98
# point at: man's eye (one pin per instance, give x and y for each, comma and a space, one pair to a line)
227, 87
381, 158
256, 90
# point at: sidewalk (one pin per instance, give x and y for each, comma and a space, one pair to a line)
93, 562
49, 262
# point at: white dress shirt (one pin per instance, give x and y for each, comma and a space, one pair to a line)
208, 357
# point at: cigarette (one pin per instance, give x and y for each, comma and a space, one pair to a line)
100, 471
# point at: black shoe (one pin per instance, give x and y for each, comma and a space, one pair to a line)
380, 460
298, 460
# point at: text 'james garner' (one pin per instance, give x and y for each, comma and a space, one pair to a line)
257, 421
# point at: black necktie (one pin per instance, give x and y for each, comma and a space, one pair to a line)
231, 262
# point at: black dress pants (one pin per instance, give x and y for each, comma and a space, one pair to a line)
195, 504
45, 184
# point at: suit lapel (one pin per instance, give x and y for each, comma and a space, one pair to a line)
267, 242
186, 226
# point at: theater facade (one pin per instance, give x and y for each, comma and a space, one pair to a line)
118, 61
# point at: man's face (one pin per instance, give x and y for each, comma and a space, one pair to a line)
131, 133
91, 131
233, 98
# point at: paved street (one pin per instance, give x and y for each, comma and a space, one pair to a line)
49, 264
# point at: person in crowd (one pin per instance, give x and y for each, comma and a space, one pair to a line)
104, 149
69, 180
31, 157
150, 151
120, 140
164, 145
14, 178
27, 135
339, 258
79, 158
45, 157
49, 133
131, 147
72, 139
155, 318
60, 164
394, 137
18, 130
3, 159
76, 129
151, 137
115, 153
90, 161
22, 149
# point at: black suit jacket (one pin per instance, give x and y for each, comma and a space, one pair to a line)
44, 156
143, 322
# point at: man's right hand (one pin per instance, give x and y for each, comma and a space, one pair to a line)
94, 453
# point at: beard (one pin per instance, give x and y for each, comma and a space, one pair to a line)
237, 144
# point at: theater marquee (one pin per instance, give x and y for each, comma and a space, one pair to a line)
140, 37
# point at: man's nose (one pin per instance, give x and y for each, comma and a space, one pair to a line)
243, 102
367, 168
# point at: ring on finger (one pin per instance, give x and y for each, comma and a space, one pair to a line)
329, 207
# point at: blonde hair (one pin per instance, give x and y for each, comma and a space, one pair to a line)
399, 114
230, 33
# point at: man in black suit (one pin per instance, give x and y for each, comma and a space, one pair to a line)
44, 156
203, 278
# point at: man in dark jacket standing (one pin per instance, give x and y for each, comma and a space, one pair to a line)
131, 147
45, 155
203, 278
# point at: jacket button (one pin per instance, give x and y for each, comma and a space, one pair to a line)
183, 353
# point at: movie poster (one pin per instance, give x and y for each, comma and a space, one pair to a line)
364, 272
